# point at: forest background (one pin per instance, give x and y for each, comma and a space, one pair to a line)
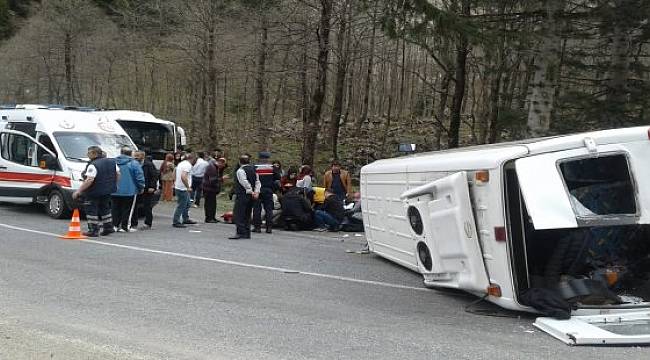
312, 80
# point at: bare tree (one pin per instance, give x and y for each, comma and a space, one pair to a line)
343, 40
312, 126
72, 19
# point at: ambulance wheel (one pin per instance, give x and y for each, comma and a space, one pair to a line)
56, 207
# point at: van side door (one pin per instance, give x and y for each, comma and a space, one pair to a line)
450, 233
22, 172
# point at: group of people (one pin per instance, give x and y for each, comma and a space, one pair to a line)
111, 189
263, 193
302, 205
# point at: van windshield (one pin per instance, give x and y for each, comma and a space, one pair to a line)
75, 145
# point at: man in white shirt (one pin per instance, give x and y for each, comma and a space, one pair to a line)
198, 171
183, 188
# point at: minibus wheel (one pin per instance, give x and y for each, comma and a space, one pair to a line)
56, 207
425, 256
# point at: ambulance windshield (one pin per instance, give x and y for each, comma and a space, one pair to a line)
75, 145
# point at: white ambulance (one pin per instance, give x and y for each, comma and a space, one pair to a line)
44, 151
504, 220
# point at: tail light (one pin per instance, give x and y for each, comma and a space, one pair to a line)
500, 233
482, 176
494, 290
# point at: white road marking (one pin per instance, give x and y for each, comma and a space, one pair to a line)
226, 262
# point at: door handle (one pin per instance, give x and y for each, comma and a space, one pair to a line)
3, 168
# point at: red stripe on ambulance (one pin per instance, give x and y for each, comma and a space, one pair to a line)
36, 178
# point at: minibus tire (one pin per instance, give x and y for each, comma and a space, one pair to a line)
424, 255
56, 206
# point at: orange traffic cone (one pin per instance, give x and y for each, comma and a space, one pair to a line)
74, 230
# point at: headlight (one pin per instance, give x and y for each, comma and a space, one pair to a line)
76, 175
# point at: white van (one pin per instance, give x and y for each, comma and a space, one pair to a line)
43, 153
502, 220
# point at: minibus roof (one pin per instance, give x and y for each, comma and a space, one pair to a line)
130, 115
490, 156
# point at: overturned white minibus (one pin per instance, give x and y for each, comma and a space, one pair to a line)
567, 216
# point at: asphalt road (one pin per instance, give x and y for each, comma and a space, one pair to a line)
192, 294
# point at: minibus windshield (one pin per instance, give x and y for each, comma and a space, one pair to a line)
75, 145
155, 139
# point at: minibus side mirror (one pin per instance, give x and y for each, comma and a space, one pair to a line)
48, 162
406, 148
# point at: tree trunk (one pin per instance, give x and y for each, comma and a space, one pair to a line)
304, 97
494, 106
541, 96
263, 129
343, 48
371, 58
67, 55
392, 93
213, 138
310, 134
225, 100
618, 74
202, 121
440, 114
459, 89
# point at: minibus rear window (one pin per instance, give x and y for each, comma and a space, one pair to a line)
600, 185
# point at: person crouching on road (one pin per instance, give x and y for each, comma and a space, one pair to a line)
331, 215
212, 183
147, 197
247, 188
183, 188
100, 180
130, 185
297, 213
270, 182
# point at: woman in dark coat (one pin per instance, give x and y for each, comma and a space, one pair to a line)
212, 182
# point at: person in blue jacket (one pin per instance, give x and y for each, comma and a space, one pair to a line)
131, 184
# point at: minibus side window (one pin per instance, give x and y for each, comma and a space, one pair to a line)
600, 185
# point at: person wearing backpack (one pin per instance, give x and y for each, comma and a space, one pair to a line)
146, 198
